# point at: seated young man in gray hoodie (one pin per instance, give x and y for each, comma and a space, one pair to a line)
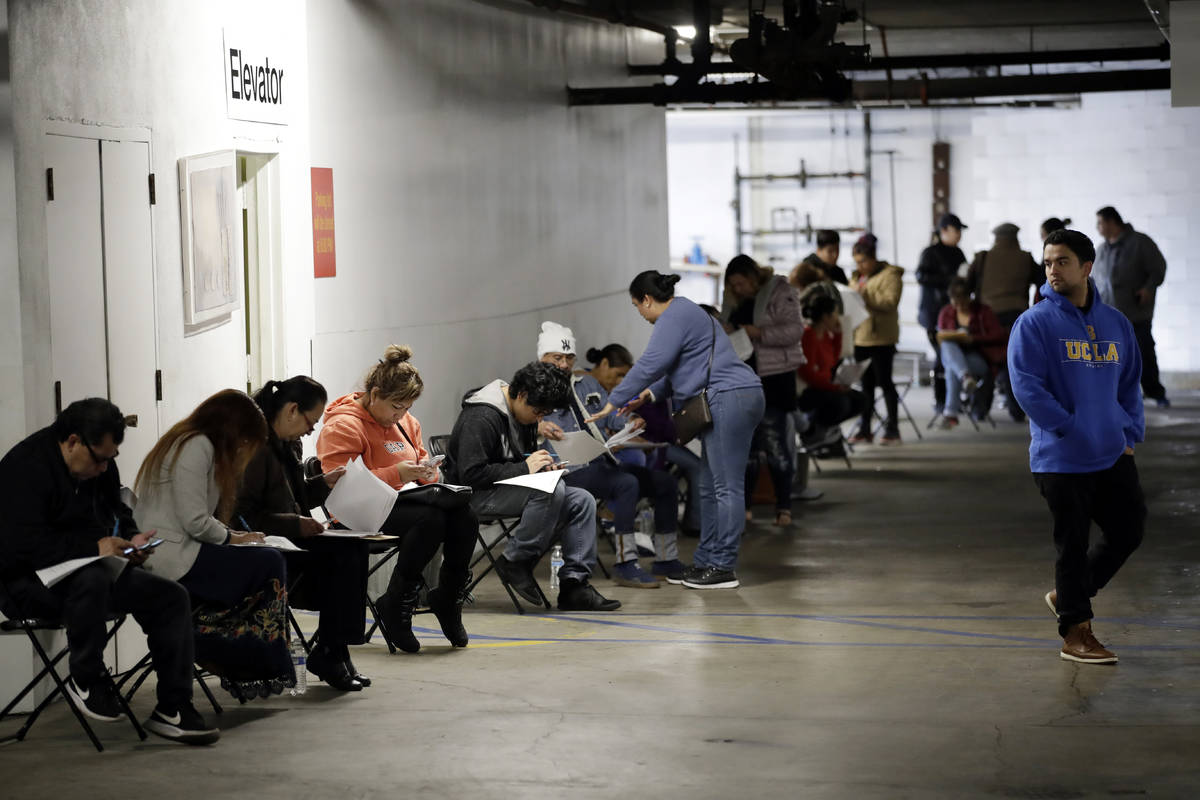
495, 438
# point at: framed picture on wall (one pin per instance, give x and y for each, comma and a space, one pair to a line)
212, 237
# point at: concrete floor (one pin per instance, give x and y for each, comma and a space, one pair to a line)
893, 644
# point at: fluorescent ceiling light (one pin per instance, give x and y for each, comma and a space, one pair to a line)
686, 31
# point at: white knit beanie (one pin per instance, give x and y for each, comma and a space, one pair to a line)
555, 338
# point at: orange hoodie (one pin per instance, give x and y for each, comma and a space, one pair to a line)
351, 431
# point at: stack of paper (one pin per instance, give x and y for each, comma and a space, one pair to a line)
360, 500
52, 575
541, 481
278, 542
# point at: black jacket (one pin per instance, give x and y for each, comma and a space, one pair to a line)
274, 494
487, 444
939, 263
49, 516
835, 273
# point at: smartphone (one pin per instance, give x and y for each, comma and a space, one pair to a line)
434, 461
147, 546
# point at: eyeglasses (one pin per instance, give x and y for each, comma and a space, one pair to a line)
100, 460
312, 423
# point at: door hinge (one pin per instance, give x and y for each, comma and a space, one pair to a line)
50, 183
57, 398
158, 385
153, 200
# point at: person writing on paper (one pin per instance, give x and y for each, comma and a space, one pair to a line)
766, 307
188, 485
62, 497
376, 425
828, 403
609, 478
328, 576
494, 439
686, 356
973, 345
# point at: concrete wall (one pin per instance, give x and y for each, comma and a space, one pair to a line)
1130, 150
471, 202
142, 63
12, 400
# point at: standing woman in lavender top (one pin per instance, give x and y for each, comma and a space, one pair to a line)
676, 364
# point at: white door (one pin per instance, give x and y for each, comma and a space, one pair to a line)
103, 333
75, 265
129, 295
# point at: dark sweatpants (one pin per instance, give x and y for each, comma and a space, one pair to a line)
330, 576
84, 600
1151, 385
1113, 499
422, 529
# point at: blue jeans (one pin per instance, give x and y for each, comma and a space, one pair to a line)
726, 449
568, 515
958, 364
620, 487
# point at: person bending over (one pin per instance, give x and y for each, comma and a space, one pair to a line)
326, 575
494, 439
62, 494
188, 485
376, 425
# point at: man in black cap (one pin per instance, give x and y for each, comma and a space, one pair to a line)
938, 264
1000, 278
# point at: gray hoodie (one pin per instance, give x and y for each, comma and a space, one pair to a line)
487, 443
1132, 262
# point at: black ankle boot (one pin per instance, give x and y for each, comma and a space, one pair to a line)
446, 602
396, 611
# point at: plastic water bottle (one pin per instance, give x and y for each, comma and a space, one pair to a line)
645, 521
299, 661
556, 562
697, 255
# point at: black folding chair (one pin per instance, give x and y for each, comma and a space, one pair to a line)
30, 626
140, 671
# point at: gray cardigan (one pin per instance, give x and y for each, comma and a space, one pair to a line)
1133, 262
179, 505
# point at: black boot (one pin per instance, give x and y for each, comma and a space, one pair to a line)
327, 665
396, 611
446, 602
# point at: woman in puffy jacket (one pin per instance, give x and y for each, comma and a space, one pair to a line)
767, 308
879, 284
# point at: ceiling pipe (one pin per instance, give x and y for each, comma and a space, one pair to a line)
919, 90
1159, 52
615, 15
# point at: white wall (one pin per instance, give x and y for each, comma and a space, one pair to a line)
470, 201
1130, 150
155, 65
701, 165
12, 400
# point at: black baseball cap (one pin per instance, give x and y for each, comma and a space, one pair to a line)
950, 221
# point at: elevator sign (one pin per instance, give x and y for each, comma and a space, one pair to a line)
258, 81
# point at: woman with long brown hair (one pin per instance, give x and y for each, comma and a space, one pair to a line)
189, 488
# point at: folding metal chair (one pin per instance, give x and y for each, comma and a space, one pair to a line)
30, 625
967, 401
145, 666
903, 387
506, 525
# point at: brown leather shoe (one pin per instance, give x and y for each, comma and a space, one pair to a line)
1081, 646
1052, 601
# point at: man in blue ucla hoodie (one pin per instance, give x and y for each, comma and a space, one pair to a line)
1076, 369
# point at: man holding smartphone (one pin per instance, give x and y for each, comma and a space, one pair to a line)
62, 494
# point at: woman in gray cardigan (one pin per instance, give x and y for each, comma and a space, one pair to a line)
188, 486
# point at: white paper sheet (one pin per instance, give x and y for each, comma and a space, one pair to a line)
360, 500
372, 535
578, 447
278, 542
631, 431
850, 372
743, 348
541, 481
52, 575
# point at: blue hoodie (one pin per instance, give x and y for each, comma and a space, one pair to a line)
1076, 373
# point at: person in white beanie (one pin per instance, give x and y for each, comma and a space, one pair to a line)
618, 484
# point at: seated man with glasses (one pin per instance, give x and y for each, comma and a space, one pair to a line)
494, 439
62, 497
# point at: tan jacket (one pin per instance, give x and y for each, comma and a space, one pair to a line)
881, 294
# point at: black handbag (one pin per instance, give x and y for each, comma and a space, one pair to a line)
695, 416
439, 495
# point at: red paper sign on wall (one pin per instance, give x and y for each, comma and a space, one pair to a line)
324, 260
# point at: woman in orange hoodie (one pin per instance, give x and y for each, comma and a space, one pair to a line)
376, 426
